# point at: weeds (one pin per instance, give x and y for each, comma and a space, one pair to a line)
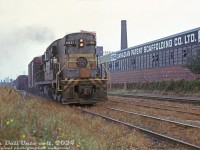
180, 87
37, 122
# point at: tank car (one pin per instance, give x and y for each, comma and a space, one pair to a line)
70, 73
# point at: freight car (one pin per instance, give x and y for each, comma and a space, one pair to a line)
21, 83
33, 68
69, 71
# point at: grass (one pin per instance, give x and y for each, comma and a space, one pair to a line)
37, 122
40, 122
135, 91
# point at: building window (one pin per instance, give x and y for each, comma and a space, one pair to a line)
180, 55
144, 61
110, 66
184, 53
175, 56
133, 63
156, 57
148, 60
137, 62
127, 64
171, 55
120, 65
117, 66
161, 58
167, 57
153, 58
113, 66
164, 58
141, 61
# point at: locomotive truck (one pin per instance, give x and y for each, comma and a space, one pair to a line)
69, 72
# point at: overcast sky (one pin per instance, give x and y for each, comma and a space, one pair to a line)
27, 27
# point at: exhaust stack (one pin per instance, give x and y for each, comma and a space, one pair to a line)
124, 43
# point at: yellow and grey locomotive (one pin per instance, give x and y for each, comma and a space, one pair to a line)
70, 73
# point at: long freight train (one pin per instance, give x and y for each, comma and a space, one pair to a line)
69, 71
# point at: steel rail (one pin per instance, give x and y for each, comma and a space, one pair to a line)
155, 107
171, 99
166, 120
172, 106
154, 134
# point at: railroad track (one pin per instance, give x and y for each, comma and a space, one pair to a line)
165, 98
156, 118
149, 106
149, 132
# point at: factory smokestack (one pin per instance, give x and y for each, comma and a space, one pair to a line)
124, 44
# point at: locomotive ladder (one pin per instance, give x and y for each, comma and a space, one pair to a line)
58, 73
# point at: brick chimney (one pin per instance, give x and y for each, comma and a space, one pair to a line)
124, 43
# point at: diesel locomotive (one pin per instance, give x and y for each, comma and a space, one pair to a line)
69, 72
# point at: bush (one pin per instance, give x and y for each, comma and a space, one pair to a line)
174, 86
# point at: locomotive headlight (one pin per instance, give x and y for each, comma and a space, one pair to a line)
81, 42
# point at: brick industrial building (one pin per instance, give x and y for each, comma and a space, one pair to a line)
162, 59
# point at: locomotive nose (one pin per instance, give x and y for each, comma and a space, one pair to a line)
86, 92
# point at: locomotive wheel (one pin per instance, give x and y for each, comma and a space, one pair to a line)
61, 100
54, 96
58, 97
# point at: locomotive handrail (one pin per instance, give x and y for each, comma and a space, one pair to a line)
57, 75
57, 82
105, 71
66, 79
71, 62
38, 76
39, 72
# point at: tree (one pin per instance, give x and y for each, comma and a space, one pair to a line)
193, 62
